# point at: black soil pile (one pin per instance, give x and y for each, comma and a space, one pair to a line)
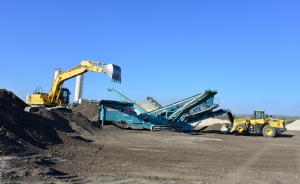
22, 128
84, 125
76, 122
90, 111
72, 123
59, 121
34, 136
11, 98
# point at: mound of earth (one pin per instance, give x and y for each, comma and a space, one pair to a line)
21, 131
24, 128
34, 144
59, 122
294, 126
211, 125
90, 111
75, 123
11, 98
84, 125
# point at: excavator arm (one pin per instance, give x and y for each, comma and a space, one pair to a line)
53, 98
113, 71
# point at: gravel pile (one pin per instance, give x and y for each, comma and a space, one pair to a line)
294, 126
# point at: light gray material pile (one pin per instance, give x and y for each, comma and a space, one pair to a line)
294, 126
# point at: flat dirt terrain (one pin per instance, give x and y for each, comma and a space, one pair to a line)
133, 156
52, 147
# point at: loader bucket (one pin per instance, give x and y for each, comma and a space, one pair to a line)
230, 116
114, 72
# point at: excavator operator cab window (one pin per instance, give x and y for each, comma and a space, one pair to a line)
259, 115
65, 96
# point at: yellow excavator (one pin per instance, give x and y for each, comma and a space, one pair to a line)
58, 97
260, 123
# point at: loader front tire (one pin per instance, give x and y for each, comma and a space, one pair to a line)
269, 131
241, 129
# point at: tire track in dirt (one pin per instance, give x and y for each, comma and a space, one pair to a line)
236, 175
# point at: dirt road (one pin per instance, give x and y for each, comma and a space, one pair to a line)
131, 156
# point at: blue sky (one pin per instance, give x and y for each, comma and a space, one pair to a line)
248, 51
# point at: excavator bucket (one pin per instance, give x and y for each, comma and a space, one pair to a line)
114, 72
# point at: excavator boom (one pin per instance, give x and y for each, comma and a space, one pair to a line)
59, 96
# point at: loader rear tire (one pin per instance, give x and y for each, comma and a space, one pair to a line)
241, 129
269, 131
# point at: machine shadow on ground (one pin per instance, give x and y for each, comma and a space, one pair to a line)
82, 139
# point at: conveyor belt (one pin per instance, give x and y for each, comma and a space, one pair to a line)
123, 97
154, 102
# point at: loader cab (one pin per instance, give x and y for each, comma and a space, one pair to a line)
258, 118
259, 114
65, 96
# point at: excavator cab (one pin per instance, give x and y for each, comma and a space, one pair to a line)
65, 96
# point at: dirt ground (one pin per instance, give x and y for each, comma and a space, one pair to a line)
53, 147
128, 156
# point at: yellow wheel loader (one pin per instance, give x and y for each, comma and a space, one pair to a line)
260, 123
58, 97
